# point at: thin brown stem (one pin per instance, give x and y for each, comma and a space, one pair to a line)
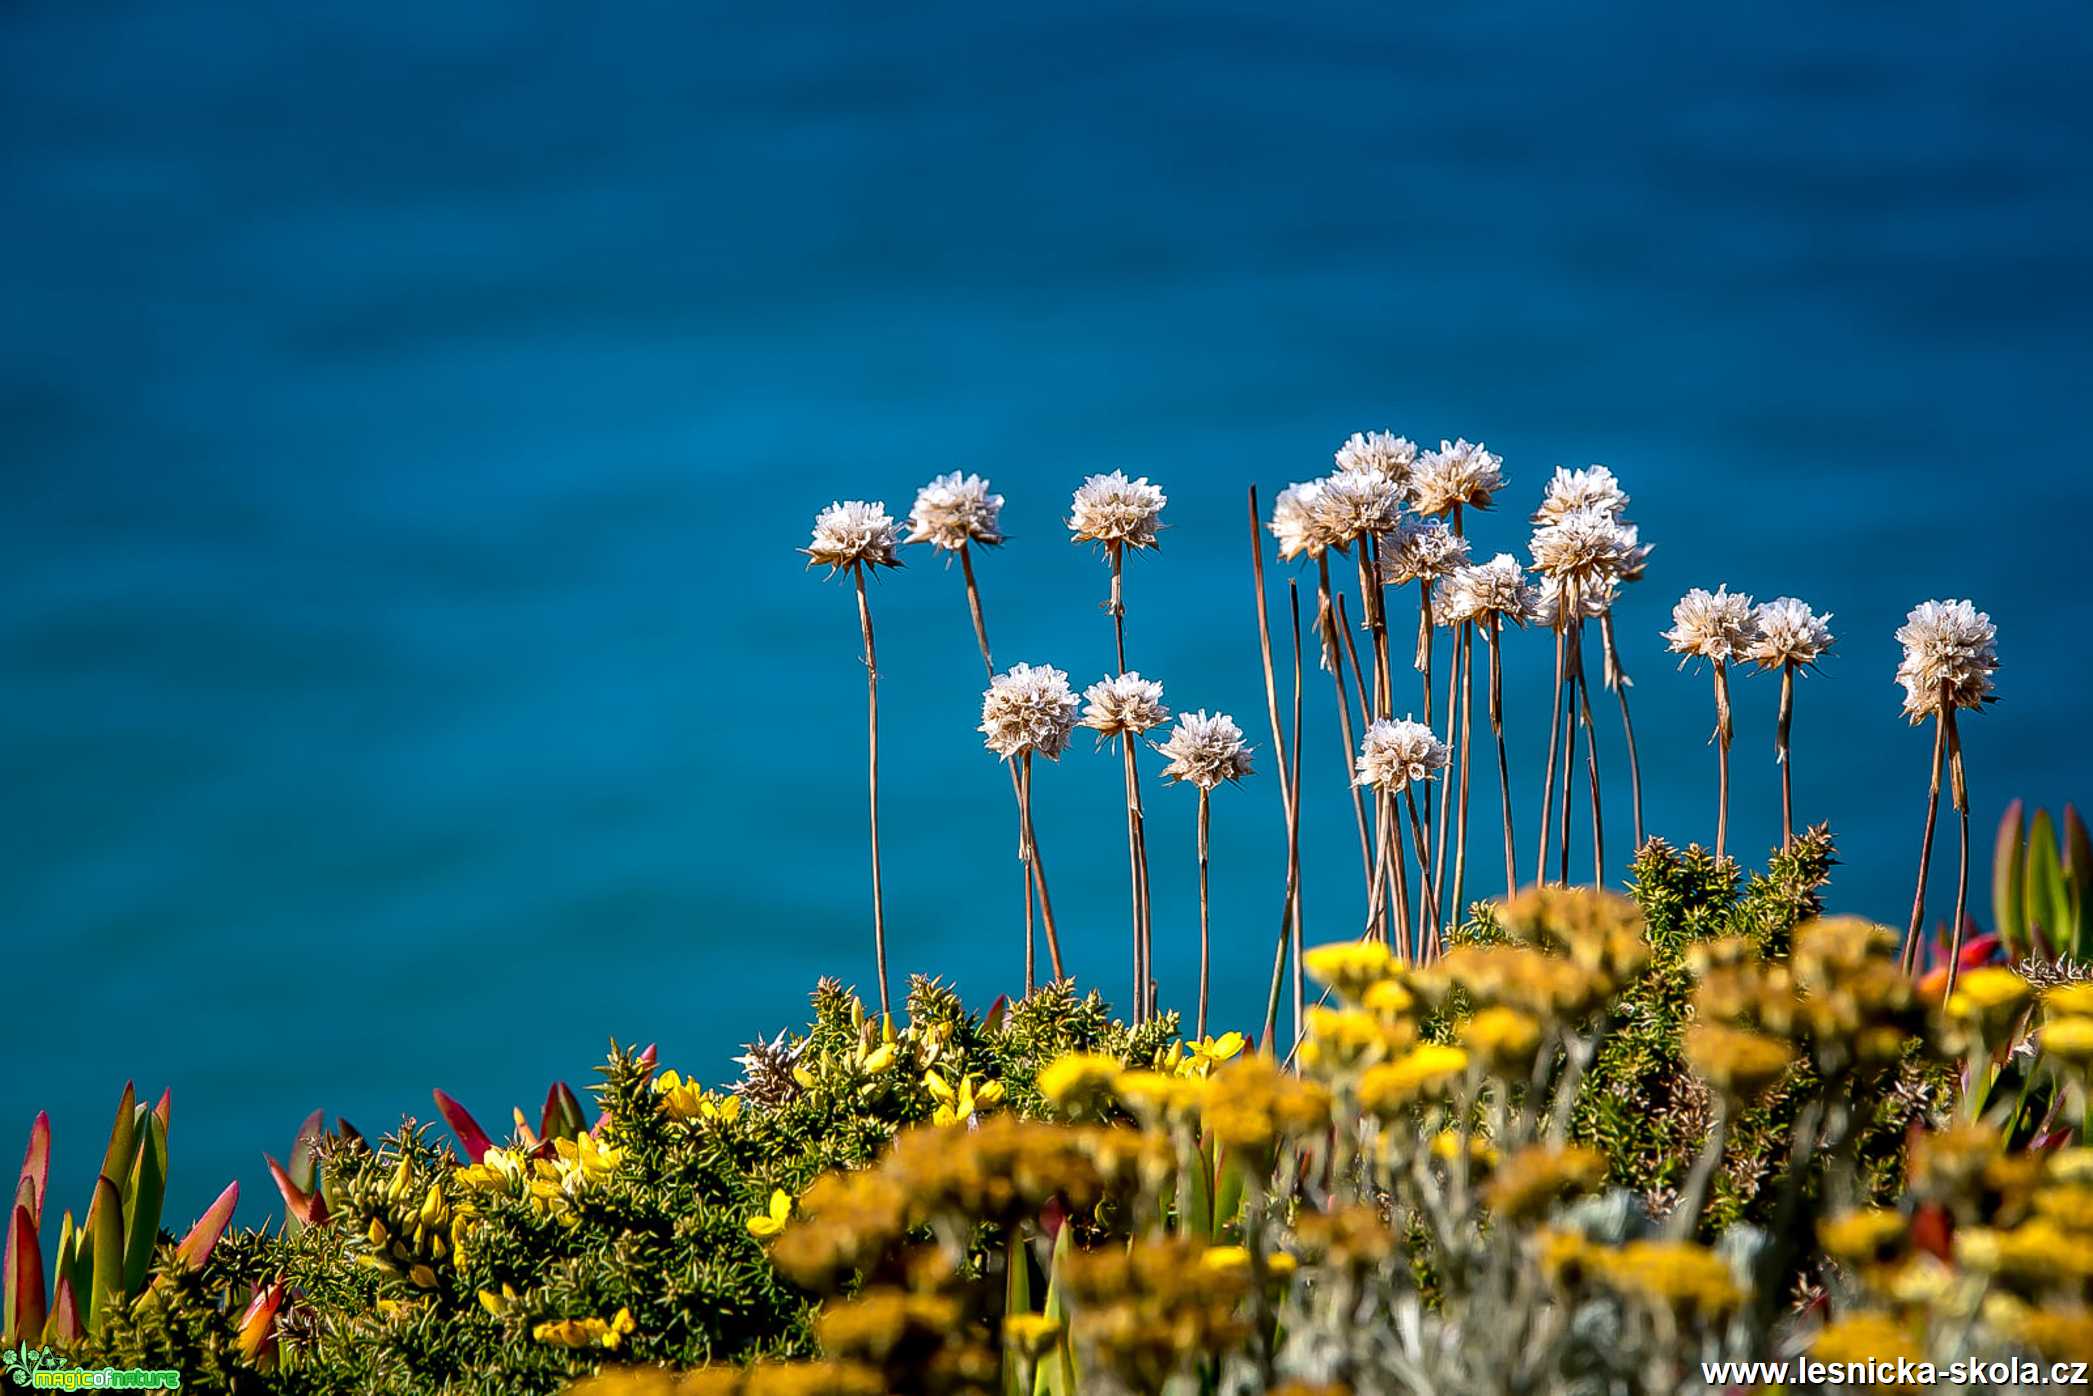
1912, 936
1117, 604
1958, 795
1540, 872
1428, 899
1133, 865
1370, 616
1504, 767
1617, 679
1783, 756
1443, 833
879, 914
1024, 823
1591, 762
1333, 657
1426, 643
1351, 649
1205, 943
1723, 729
1377, 897
1264, 649
1460, 835
1569, 766
1293, 817
1392, 839
1034, 865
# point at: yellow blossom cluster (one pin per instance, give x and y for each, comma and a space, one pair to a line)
1144, 1311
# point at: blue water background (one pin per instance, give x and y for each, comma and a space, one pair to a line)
410, 413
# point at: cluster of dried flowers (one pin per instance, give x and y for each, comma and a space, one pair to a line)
1402, 516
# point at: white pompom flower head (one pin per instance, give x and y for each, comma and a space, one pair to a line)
853, 533
1396, 753
1123, 705
1719, 625
1790, 634
1205, 750
1950, 654
1028, 708
1116, 511
1459, 474
954, 510
1380, 453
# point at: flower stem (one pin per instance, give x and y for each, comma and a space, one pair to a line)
1428, 898
1540, 872
1617, 680
1912, 936
1504, 768
1958, 791
1117, 605
1784, 756
1137, 873
1460, 836
1205, 945
1591, 760
1333, 657
1723, 729
879, 915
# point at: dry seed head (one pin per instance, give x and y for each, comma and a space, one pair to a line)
1458, 473
1422, 550
1586, 550
853, 533
1380, 453
1026, 709
1484, 591
1116, 511
1297, 521
1205, 750
1395, 752
1593, 487
1718, 625
1790, 633
955, 510
1123, 705
1355, 504
1951, 646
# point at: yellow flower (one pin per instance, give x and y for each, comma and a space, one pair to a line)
2062, 1335
1505, 1039
1350, 967
1031, 1335
499, 1170
1235, 1260
1864, 1237
1346, 1039
1389, 1000
1865, 1336
1537, 1177
1155, 1097
879, 1059
1674, 1274
2069, 1040
586, 1159
1207, 1053
422, 1277
2070, 1000
1987, 998
498, 1304
1447, 1146
1426, 1072
1077, 1081
681, 1099
585, 1332
767, 1224
1736, 1060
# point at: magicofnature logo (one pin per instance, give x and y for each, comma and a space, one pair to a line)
43, 1370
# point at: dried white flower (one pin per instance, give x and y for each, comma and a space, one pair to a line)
1395, 752
1297, 523
1570, 490
1459, 472
1584, 551
1380, 453
1592, 602
1354, 504
853, 533
1790, 633
1493, 590
955, 510
1116, 511
1950, 652
1124, 704
1422, 550
1718, 625
1026, 709
1205, 750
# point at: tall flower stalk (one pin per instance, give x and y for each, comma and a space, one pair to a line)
1580, 554
1120, 514
1377, 466
1791, 638
1205, 751
851, 536
1595, 487
1289, 780
1950, 654
1484, 597
1395, 755
1121, 708
954, 514
1029, 710
1299, 525
1718, 626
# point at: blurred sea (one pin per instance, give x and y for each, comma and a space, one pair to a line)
410, 413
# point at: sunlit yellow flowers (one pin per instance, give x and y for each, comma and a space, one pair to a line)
765, 1225
1078, 1081
1534, 1179
1737, 1061
585, 1157
2069, 1040
500, 1304
1350, 967
1987, 999
1868, 1236
1347, 1039
499, 1170
1426, 1072
957, 1106
685, 1100
1030, 1336
1678, 1275
1865, 1336
586, 1332
1203, 1056
2070, 1000
1156, 1097
1236, 1260
1504, 1039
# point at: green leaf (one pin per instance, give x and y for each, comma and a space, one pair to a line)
2078, 881
36, 1163
1017, 1299
304, 1160
1228, 1199
1196, 1215
105, 1236
1057, 1371
144, 1196
123, 1137
2048, 904
63, 1326
2008, 890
